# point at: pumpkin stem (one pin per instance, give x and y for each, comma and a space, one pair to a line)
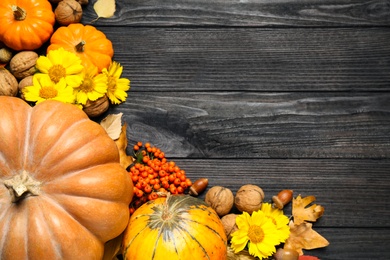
166, 214
80, 46
22, 185
19, 13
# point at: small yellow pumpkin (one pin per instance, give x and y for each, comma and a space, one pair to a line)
176, 227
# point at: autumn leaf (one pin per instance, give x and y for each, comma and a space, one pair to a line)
104, 8
304, 237
302, 213
113, 125
121, 143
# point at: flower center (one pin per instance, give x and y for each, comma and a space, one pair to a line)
56, 72
87, 86
255, 234
48, 92
111, 84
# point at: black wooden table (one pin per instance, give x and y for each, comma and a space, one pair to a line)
281, 94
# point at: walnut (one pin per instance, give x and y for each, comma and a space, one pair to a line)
68, 11
22, 64
27, 81
221, 199
229, 224
97, 107
249, 198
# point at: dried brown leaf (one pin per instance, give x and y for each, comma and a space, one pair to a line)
304, 237
121, 143
302, 213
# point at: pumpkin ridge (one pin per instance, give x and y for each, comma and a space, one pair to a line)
6, 221
49, 153
50, 200
64, 212
132, 240
46, 223
207, 226
194, 239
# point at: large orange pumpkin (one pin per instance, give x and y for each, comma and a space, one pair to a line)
179, 227
26, 25
89, 43
63, 193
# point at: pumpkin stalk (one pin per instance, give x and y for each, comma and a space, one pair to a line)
21, 186
19, 13
166, 214
80, 46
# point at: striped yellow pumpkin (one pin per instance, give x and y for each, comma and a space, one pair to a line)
176, 227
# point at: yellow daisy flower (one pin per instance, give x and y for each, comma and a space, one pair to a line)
43, 89
60, 64
258, 232
117, 86
279, 219
92, 87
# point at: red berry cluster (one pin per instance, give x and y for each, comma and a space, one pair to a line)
153, 175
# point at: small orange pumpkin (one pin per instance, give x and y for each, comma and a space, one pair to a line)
90, 44
176, 227
25, 25
63, 193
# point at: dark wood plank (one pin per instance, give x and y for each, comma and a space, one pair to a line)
354, 244
351, 191
245, 13
238, 59
261, 125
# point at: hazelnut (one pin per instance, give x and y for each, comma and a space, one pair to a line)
229, 224
249, 198
221, 199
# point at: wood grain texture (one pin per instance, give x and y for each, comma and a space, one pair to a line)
261, 125
247, 13
354, 244
248, 59
351, 191
282, 94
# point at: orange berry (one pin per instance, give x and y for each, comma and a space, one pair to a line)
139, 193
147, 145
135, 147
171, 178
148, 188
139, 144
156, 186
177, 181
132, 210
180, 190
